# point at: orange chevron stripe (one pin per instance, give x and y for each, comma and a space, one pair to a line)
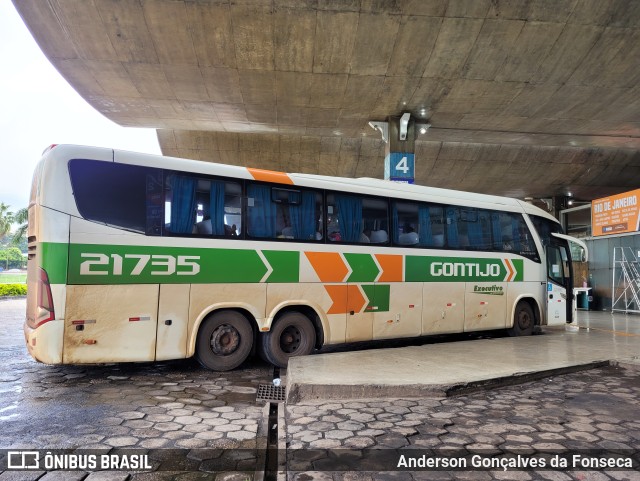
355, 300
512, 271
328, 266
345, 298
338, 295
391, 267
270, 176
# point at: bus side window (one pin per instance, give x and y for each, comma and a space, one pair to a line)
355, 219
119, 195
405, 222
197, 206
417, 224
474, 229
281, 213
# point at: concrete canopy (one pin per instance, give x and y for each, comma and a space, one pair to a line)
525, 98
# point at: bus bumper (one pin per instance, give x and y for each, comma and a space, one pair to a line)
45, 342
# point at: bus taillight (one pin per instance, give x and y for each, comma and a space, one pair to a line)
45, 299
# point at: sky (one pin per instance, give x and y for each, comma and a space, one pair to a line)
39, 108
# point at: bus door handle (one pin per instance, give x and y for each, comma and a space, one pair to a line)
167, 322
550, 296
351, 313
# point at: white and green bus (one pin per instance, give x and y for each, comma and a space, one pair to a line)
134, 257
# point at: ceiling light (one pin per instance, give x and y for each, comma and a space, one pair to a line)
422, 128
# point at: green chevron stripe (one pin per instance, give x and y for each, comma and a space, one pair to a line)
285, 264
378, 296
363, 266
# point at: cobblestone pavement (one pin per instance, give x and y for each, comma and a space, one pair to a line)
573, 413
149, 406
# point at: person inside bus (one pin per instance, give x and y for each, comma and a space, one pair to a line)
409, 235
230, 230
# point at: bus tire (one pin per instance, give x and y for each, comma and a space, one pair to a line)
291, 335
523, 320
224, 341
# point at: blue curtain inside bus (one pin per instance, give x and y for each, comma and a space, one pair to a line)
303, 215
349, 217
216, 209
183, 204
452, 228
474, 229
496, 230
424, 226
262, 215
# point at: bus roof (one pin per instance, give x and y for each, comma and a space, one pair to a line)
362, 185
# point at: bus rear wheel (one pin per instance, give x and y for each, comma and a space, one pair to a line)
523, 320
224, 341
291, 335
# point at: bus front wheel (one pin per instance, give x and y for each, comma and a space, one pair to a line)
523, 320
224, 341
291, 335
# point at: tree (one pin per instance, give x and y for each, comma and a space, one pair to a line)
6, 219
11, 258
20, 217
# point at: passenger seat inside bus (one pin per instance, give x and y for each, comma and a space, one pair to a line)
379, 237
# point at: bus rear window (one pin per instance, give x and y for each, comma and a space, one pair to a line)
120, 195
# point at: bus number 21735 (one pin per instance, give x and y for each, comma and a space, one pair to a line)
161, 264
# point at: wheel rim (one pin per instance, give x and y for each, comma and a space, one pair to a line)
225, 340
290, 339
524, 320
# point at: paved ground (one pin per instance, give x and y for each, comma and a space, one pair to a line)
577, 413
149, 406
178, 405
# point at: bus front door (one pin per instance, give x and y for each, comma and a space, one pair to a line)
559, 290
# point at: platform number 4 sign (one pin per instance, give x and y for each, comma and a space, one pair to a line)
400, 167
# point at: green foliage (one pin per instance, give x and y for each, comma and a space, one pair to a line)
11, 258
13, 290
20, 217
7, 219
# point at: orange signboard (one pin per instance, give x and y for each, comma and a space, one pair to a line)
615, 214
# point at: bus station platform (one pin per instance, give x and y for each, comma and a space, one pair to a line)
450, 368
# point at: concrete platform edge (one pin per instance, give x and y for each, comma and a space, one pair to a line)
310, 392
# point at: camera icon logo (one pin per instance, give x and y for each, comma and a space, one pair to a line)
23, 460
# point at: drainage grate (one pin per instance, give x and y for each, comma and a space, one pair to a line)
271, 393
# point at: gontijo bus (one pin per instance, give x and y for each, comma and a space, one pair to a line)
136, 257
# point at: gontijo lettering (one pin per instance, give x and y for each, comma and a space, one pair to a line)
455, 269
